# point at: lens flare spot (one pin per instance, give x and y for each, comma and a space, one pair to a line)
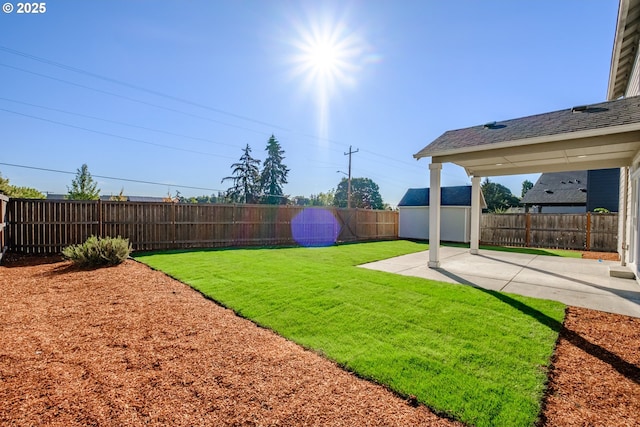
315, 227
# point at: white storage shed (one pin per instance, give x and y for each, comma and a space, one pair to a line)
455, 223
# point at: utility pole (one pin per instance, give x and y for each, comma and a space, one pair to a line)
349, 183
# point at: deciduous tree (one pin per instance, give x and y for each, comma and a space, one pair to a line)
497, 196
19, 192
365, 194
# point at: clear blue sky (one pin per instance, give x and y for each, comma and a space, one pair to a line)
184, 85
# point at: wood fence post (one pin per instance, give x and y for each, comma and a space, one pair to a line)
528, 230
173, 224
588, 243
100, 234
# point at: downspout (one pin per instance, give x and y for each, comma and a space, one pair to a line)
625, 201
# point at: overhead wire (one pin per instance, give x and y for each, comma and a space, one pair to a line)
171, 97
128, 98
113, 178
142, 141
160, 94
137, 87
119, 123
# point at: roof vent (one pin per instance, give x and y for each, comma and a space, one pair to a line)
563, 182
579, 108
489, 125
570, 182
548, 191
577, 181
584, 190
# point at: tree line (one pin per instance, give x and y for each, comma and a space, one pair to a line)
250, 184
499, 198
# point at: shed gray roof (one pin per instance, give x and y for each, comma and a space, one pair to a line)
145, 199
558, 188
450, 196
594, 116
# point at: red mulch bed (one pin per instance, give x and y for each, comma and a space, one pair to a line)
605, 256
127, 345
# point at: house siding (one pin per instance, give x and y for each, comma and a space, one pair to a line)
626, 226
633, 88
603, 189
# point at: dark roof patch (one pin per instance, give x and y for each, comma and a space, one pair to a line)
559, 188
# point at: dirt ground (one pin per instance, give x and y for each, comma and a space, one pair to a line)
605, 256
127, 345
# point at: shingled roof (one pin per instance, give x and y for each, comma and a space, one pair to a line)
558, 188
603, 115
449, 196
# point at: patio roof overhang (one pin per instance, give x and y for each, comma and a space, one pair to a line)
596, 136
593, 149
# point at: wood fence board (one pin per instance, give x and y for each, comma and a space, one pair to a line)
559, 231
3, 227
47, 226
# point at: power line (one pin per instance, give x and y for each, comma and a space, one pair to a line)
127, 98
136, 87
142, 141
119, 123
171, 97
112, 178
161, 94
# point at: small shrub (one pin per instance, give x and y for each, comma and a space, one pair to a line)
96, 251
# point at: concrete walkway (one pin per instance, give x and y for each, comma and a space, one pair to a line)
577, 282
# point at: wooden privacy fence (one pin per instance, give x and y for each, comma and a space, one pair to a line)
595, 232
47, 226
3, 221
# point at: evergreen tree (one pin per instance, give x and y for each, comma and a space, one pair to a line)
83, 187
246, 179
274, 174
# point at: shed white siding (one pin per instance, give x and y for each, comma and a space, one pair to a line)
455, 223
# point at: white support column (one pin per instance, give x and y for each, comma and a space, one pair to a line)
434, 215
475, 215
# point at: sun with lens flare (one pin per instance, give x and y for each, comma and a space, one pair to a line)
328, 56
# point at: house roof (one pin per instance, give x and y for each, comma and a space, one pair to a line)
624, 47
145, 199
601, 135
449, 196
581, 118
54, 196
558, 188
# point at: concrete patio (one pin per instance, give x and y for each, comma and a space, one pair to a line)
578, 282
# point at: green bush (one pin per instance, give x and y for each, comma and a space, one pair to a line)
96, 251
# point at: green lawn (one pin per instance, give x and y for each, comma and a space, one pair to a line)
478, 356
